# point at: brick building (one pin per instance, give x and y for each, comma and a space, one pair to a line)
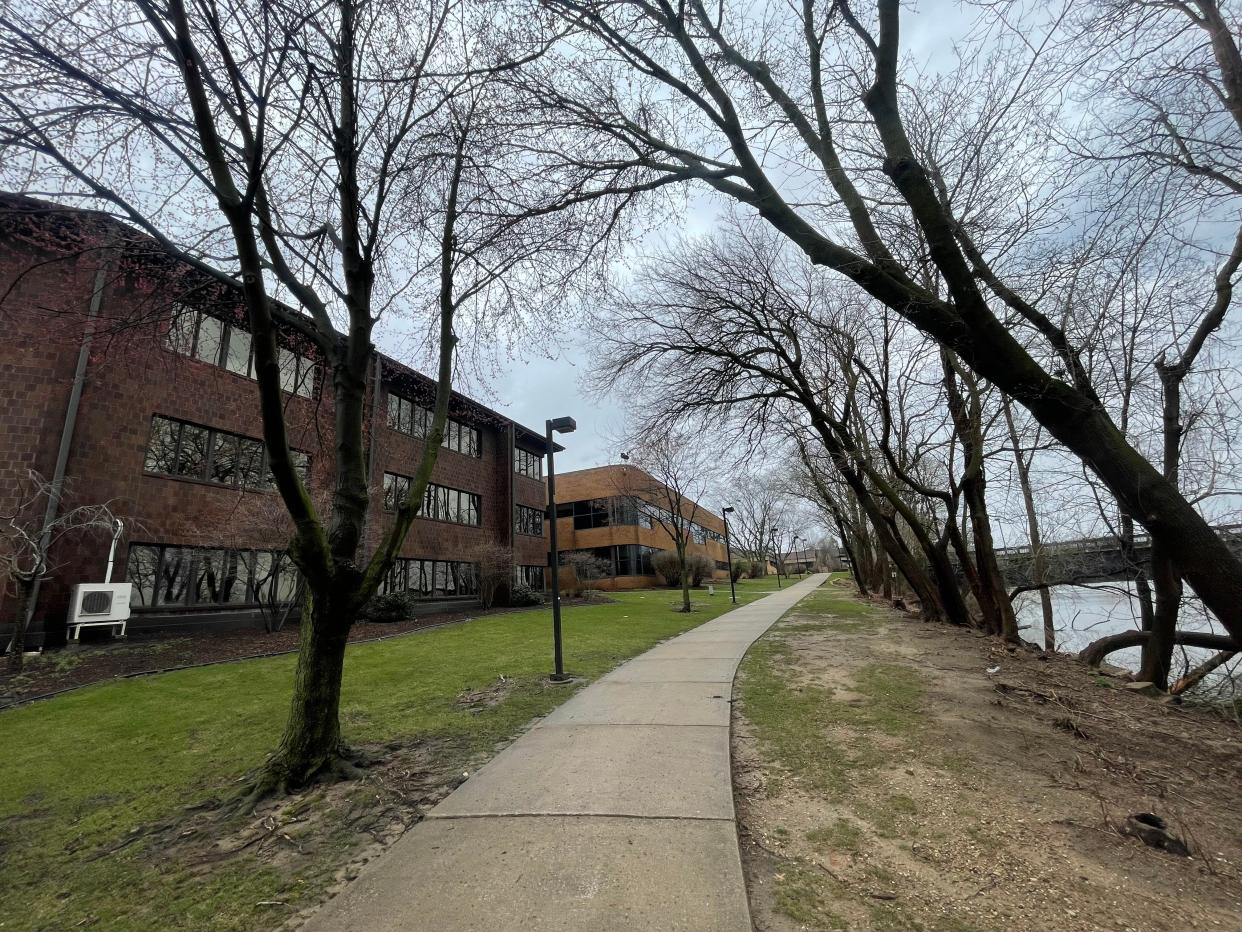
167, 431
608, 511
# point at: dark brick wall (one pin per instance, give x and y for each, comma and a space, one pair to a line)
48, 266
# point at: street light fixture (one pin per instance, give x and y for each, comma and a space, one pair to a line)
776, 558
560, 425
729, 554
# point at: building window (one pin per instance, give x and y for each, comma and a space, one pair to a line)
179, 448
624, 559
530, 576
528, 464
529, 521
634, 560
439, 502
432, 578
396, 490
211, 340
415, 420
173, 576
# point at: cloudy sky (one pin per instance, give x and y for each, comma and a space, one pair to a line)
534, 389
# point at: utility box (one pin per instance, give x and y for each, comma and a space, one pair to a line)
96, 604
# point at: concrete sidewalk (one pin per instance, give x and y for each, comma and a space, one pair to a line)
615, 812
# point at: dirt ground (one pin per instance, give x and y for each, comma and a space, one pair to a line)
896, 775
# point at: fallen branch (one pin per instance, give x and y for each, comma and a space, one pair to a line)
1196, 675
1095, 652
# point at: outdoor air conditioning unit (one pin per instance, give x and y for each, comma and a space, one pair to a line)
105, 603
92, 604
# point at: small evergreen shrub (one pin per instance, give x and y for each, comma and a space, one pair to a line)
522, 595
389, 608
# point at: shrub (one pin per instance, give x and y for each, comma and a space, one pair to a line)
389, 608
700, 567
667, 564
522, 595
738, 570
494, 569
756, 569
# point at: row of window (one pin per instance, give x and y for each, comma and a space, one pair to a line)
529, 521
531, 576
624, 559
415, 420
432, 578
182, 576
527, 464
197, 334
179, 448
626, 511
439, 502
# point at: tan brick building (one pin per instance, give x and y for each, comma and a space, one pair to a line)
606, 511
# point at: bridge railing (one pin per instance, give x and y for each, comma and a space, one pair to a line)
1229, 532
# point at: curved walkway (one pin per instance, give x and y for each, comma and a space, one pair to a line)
615, 812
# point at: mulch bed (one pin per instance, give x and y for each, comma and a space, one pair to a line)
152, 652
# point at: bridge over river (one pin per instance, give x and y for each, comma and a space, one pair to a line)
1091, 559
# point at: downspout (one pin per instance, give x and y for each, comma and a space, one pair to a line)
508, 467
376, 382
67, 429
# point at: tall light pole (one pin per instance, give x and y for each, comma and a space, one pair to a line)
561, 425
729, 555
776, 558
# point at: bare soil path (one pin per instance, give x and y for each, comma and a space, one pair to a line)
895, 775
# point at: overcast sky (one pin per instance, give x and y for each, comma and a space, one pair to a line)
532, 390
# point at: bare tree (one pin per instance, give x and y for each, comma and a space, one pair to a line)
758, 500
344, 160
667, 477
1039, 560
495, 570
653, 94
28, 545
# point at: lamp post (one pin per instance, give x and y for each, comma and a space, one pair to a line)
729, 555
776, 558
561, 425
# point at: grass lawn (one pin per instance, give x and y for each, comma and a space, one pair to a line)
85, 775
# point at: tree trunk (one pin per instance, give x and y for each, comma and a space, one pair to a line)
17, 644
1158, 651
1142, 586
990, 578
311, 744
1039, 560
685, 580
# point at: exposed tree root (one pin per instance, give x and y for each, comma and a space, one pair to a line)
1095, 652
281, 777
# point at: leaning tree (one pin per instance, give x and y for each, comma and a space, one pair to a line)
330, 162
797, 111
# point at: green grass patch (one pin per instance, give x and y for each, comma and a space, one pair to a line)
83, 771
841, 835
803, 895
791, 721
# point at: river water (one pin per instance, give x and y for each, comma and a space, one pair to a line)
1082, 615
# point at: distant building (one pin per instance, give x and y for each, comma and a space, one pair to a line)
823, 558
168, 431
604, 512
